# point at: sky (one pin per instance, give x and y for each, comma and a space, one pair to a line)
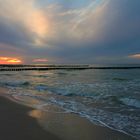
70, 31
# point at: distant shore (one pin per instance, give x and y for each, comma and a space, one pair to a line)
16, 124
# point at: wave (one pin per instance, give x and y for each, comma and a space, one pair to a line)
40, 74
131, 102
120, 79
61, 73
7, 74
68, 90
15, 84
41, 87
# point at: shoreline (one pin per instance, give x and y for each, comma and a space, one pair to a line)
16, 123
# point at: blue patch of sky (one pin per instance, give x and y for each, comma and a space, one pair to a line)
70, 4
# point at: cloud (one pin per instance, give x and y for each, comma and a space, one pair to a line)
136, 56
107, 29
29, 25
9, 60
40, 60
26, 17
72, 31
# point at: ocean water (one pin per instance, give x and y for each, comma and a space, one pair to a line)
109, 98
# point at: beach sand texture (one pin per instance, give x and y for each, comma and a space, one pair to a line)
17, 124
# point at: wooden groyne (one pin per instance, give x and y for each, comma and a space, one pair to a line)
42, 67
58, 67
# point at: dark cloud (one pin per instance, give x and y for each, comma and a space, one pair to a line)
14, 34
102, 31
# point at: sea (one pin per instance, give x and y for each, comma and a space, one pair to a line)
106, 97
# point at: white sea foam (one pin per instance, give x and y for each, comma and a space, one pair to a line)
131, 102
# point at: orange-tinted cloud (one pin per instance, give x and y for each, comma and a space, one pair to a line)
9, 60
137, 56
27, 15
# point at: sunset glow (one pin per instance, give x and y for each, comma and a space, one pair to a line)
9, 60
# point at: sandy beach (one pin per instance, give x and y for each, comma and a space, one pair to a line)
15, 124
19, 122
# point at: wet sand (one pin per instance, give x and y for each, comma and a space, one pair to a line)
18, 122
15, 124
72, 127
